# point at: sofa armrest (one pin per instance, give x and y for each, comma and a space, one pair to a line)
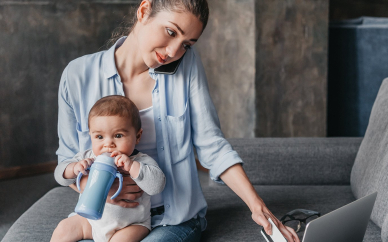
298, 161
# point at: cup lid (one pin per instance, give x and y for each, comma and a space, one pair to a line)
105, 158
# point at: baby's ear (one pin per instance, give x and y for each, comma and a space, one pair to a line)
138, 135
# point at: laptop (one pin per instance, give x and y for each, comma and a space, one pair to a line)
345, 224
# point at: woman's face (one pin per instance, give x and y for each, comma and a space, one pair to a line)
165, 37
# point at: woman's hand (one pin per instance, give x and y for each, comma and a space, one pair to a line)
261, 214
236, 178
130, 192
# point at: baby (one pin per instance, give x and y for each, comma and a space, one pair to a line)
114, 127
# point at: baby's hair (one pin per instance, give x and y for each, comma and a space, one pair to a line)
116, 105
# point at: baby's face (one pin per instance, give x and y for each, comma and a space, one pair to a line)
110, 133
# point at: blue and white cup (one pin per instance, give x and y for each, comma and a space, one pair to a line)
102, 174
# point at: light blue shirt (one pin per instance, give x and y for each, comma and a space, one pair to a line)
184, 117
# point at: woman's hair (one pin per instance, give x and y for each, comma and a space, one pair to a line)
198, 8
116, 105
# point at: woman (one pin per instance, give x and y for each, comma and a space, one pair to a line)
156, 67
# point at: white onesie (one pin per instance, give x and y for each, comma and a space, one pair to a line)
151, 180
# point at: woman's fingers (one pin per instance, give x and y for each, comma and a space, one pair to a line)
123, 172
123, 203
129, 193
262, 220
128, 196
287, 232
294, 234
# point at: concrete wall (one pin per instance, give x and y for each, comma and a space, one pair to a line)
227, 49
291, 67
37, 40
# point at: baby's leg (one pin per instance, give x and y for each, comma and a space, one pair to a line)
131, 233
72, 229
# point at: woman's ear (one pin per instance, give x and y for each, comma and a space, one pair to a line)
138, 135
143, 11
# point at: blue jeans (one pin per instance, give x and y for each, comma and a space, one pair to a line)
189, 231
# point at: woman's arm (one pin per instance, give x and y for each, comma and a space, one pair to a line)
67, 123
215, 152
236, 178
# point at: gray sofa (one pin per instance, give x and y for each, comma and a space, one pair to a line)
311, 173
321, 174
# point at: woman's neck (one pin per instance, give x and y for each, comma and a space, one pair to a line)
129, 62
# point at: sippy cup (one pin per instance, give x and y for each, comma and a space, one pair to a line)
101, 176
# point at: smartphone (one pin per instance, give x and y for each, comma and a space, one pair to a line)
170, 68
276, 234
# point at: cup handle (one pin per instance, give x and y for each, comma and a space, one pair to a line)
79, 179
118, 175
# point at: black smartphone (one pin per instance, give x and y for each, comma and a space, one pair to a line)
170, 68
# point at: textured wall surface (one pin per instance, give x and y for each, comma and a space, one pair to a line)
291, 67
37, 40
227, 51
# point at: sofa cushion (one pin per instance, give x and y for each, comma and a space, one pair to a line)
369, 173
298, 161
229, 219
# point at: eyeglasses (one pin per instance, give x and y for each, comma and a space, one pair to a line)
297, 217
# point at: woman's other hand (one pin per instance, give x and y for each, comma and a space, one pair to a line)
261, 214
129, 193
236, 178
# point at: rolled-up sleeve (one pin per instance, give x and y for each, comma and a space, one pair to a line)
214, 151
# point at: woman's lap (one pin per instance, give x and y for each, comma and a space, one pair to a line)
189, 231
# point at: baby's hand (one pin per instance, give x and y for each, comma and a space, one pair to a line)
122, 160
82, 165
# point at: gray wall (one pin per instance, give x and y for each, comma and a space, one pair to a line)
266, 63
227, 49
291, 67
37, 40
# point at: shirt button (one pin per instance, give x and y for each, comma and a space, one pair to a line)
159, 119
167, 206
162, 148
